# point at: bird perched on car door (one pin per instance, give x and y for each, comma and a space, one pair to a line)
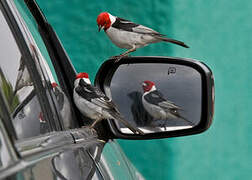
128, 35
93, 103
157, 106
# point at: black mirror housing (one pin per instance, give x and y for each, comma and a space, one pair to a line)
186, 85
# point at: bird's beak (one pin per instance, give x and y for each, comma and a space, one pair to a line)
144, 86
100, 28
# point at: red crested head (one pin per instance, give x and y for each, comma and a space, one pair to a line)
103, 21
82, 75
54, 84
148, 85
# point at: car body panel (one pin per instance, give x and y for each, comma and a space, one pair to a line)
114, 163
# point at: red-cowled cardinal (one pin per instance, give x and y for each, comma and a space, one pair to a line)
128, 35
93, 103
157, 106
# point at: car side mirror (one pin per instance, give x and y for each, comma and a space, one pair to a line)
162, 96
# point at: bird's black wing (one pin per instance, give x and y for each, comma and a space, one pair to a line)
157, 98
86, 91
104, 101
154, 97
124, 24
94, 95
127, 25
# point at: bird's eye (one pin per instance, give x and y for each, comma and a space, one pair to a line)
174, 110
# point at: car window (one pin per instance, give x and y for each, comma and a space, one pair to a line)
17, 87
61, 100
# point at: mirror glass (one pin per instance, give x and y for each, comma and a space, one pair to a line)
157, 97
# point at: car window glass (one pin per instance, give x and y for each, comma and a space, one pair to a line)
17, 87
61, 100
5, 159
33, 28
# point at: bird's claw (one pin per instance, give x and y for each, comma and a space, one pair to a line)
118, 58
92, 130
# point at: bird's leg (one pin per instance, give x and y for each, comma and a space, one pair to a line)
129, 51
94, 123
118, 58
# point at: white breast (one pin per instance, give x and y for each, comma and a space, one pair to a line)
87, 108
155, 111
127, 39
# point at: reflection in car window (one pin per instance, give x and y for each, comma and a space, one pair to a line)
5, 159
17, 87
78, 163
61, 100
30, 22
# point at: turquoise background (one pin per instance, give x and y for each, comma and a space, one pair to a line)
219, 33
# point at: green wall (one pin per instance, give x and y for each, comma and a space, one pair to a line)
219, 33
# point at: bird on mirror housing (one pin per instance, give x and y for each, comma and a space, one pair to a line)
94, 104
128, 35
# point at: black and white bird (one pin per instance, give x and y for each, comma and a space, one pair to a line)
128, 35
94, 104
157, 106
63, 105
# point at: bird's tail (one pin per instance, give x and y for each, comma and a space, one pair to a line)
118, 117
180, 43
191, 123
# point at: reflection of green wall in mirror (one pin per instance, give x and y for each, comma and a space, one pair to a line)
218, 33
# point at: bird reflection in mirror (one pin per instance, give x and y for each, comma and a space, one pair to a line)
159, 107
